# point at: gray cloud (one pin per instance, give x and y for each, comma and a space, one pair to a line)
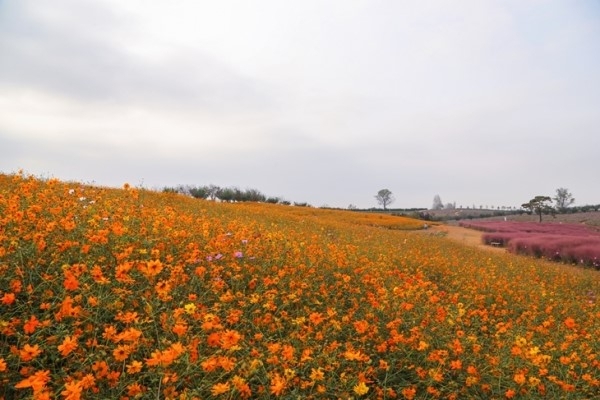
484, 102
87, 66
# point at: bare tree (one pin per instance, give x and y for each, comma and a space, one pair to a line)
437, 203
384, 197
563, 199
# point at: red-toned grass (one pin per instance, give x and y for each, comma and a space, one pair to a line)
570, 243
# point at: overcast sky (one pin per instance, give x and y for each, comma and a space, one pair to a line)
481, 102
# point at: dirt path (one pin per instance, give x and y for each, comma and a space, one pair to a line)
468, 237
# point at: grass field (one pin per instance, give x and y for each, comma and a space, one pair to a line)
127, 294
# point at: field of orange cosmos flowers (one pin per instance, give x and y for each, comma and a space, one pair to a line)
128, 293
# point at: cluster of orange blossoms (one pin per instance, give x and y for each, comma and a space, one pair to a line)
129, 293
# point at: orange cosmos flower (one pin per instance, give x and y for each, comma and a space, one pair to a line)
317, 374
287, 353
163, 288
520, 378
129, 335
533, 381
316, 318
361, 326
471, 380
227, 363
567, 387
100, 368
135, 389
113, 378
570, 323
436, 374
214, 339
156, 358
71, 282
210, 364
121, 352
180, 329
134, 367
220, 388
457, 346
229, 339
409, 393
306, 355
516, 350
28, 353
167, 356
16, 285
36, 381
110, 333
92, 301
72, 391
153, 267
68, 345
241, 386
456, 364
2, 365
278, 385
67, 309
88, 381
355, 355
383, 365
128, 317
176, 349
31, 324
422, 346
98, 275
8, 298
211, 321
117, 228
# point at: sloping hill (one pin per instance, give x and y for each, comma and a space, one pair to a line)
108, 293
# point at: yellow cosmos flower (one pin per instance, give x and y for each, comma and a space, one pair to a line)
190, 308
361, 389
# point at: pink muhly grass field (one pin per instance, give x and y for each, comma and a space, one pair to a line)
570, 243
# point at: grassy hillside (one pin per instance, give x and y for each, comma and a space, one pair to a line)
128, 294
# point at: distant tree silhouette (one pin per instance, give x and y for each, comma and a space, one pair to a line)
437, 203
385, 198
563, 199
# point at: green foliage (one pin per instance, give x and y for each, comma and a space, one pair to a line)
539, 205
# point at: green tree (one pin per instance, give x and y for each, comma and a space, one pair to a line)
539, 205
563, 199
385, 198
